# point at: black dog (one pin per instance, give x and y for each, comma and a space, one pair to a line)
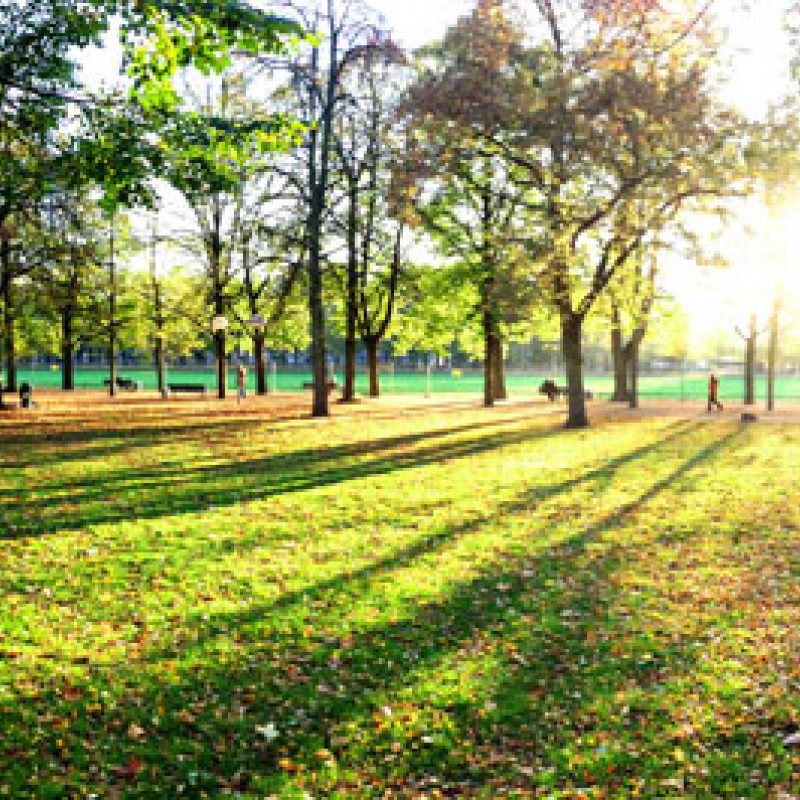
554, 391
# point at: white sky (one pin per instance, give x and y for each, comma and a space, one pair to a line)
759, 73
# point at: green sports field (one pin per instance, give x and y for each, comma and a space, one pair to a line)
668, 387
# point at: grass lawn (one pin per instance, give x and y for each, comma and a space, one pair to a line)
205, 602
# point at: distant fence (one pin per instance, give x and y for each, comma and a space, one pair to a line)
674, 384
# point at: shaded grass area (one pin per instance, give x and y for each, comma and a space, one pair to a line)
465, 604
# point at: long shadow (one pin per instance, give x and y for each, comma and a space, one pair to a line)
256, 480
144, 435
296, 457
356, 580
121, 433
128, 442
91, 427
313, 686
438, 541
554, 654
196, 489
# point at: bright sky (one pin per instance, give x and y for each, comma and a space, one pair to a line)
712, 298
759, 245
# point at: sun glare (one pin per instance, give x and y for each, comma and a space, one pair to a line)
761, 247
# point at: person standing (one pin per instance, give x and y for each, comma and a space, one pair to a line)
713, 393
241, 382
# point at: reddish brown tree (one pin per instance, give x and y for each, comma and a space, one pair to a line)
465, 195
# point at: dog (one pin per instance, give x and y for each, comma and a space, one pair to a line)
553, 391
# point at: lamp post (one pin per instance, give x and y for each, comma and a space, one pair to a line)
219, 324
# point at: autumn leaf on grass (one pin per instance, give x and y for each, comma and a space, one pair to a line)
130, 770
136, 732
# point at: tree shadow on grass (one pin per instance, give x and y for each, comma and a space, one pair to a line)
192, 549
58, 448
194, 436
185, 489
89, 428
356, 692
358, 580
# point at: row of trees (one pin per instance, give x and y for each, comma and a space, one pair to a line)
524, 175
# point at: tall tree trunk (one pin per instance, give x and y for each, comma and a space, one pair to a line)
222, 365
8, 315
9, 335
772, 356
618, 357
220, 347
112, 362
160, 372
67, 349
750, 363
498, 369
261, 367
488, 357
572, 346
350, 345
319, 357
159, 311
320, 141
633, 364
489, 348
159, 354
374, 371
349, 392
112, 316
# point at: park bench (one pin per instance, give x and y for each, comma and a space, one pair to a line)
187, 388
128, 384
331, 385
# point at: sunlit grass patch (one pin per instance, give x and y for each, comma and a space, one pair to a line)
464, 602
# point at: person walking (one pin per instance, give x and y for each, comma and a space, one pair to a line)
241, 382
713, 393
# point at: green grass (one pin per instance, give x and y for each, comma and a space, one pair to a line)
455, 603
403, 382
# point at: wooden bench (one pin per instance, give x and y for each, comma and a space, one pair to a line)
188, 388
331, 385
128, 384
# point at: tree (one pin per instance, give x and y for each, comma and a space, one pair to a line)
38, 83
630, 125
318, 77
170, 302
213, 176
158, 314
38, 42
70, 273
610, 111
464, 190
369, 136
113, 306
270, 261
436, 308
